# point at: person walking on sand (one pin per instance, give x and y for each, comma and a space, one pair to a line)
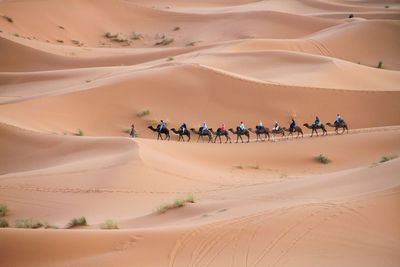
132, 133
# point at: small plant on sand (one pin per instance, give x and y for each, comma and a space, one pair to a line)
3, 223
143, 112
380, 65
60, 41
28, 224
9, 19
170, 58
81, 221
110, 224
16, 34
386, 6
323, 159
65, 133
3, 209
257, 167
177, 28
61, 27
179, 202
78, 43
190, 44
87, 81
47, 225
137, 36
283, 175
109, 35
1, 31
222, 210
387, 158
239, 166
165, 41
80, 132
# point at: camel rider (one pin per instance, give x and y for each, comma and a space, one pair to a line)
204, 128
260, 126
183, 127
241, 126
292, 125
223, 127
316, 122
338, 119
276, 128
162, 125
132, 133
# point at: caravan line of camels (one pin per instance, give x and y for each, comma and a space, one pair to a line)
262, 132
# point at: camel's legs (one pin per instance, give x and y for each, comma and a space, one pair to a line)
248, 138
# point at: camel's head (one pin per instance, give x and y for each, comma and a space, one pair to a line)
305, 124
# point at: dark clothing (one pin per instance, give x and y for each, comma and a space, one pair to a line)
292, 125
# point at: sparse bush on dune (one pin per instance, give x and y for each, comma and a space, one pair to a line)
179, 202
78, 43
28, 224
3, 209
60, 41
323, 159
110, 224
9, 19
109, 35
177, 28
143, 112
61, 27
46, 225
191, 43
137, 36
387, 158
81, 221
165, 41
380, 65
80, 132
16, 34
3, 223
170, 58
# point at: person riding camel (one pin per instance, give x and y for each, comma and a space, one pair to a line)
276, 128
183, 127
260, 126
223, 127
241, 126
292, 125
316, 122
204, 127
162, 125
338, 119
132, 133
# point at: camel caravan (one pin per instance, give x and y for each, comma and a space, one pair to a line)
262, 133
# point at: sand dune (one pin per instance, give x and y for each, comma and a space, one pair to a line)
266, 203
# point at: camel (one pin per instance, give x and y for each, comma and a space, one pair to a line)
239, 134
314, 128
220, 133
181, 134
341, 124
163, 131
259, 131
201, 134
280, 131
295, 129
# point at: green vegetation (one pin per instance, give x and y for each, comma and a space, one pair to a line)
239, 166
165, 41
177, 28
170, 58
77, 222
46, 225
88, 81
60, 41
3, 209
179, 202
109, 35
110, 224
387, 158
323, 159
3, 223
80, 132
28, 224
9, 19
380, 65
143, 112
137, 36
16, 34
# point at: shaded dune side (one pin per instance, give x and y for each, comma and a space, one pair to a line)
107, 110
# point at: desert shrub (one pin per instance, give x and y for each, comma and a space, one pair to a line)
80, 132
177, 28
60, 41
28, 224
386, 6
179, 202
16, 34
61, 27
78, 43
323, 159
3, 209
9, 19
137, 36
110, 224
109, 35
387, 158
380, 65
77, 222
143, 112
3, 223
239, 166
170, 58
165, 41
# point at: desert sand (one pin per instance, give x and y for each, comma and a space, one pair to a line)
261, 203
